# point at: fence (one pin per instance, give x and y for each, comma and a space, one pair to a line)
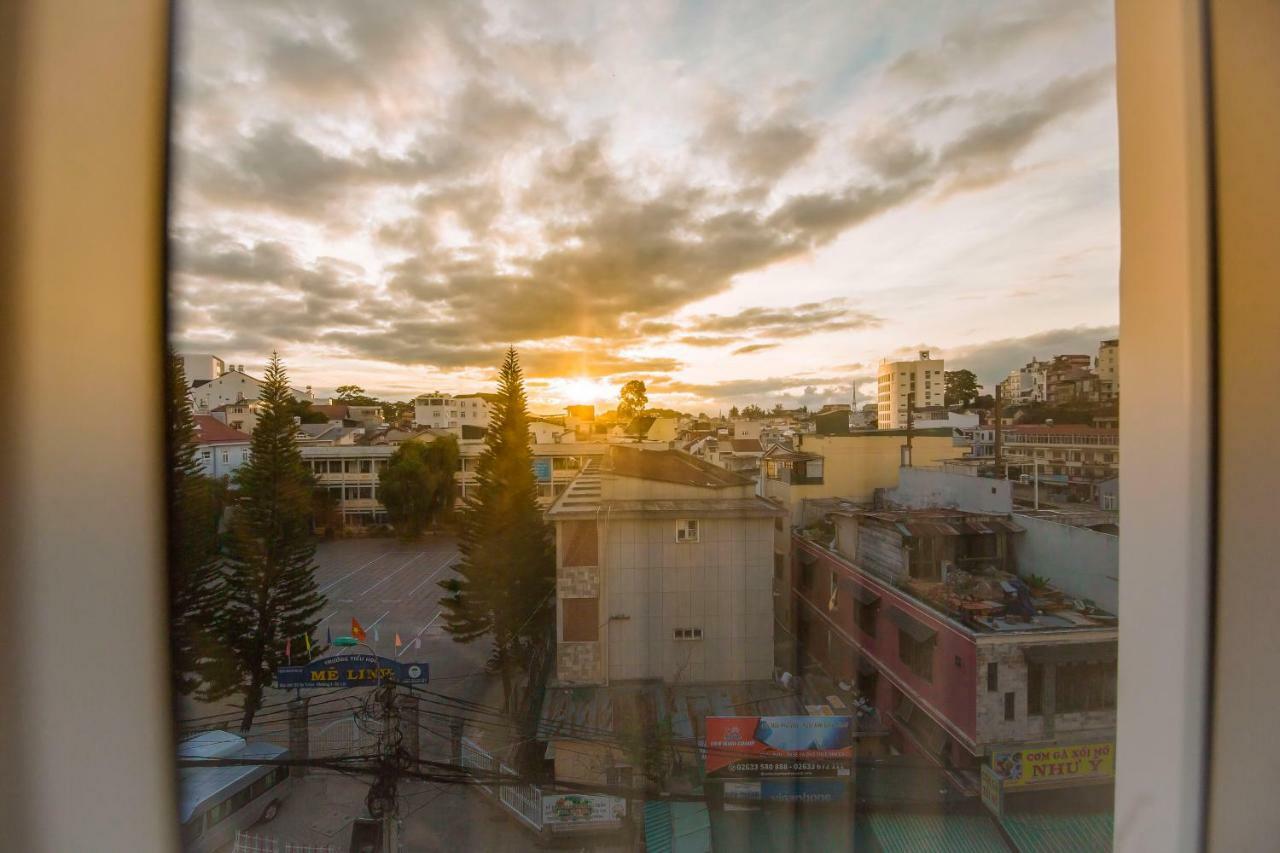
542, 812
246, 843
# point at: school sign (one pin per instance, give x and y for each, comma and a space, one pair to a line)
351, 671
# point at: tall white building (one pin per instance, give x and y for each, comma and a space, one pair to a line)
1027, 384
1109, 369
232, 386
201, 367
898, 380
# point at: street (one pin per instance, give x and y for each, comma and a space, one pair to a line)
392, 588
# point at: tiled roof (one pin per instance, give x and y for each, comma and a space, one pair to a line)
671, 466
210, 430
746, 445
332, 411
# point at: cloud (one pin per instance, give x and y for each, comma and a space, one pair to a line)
809, 318
750, 348
993, 360
762, 150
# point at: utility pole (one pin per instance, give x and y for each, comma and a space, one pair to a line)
911, 406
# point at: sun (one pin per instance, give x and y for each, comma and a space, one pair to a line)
582, 390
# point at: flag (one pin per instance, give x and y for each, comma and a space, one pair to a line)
288, 649
398, 643
357, 631
328, 635
307, 638
375, 634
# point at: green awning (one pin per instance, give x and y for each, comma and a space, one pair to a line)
911, 832
1055, 832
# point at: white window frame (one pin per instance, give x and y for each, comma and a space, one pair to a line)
686, 635
688, 531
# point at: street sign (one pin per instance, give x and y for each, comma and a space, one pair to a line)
351, 671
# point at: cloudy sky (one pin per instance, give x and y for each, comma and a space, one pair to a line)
734, 201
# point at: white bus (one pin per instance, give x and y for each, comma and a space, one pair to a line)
215, 802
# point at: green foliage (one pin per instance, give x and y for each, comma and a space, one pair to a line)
193, 567
733, 412
270, 593
649, 749
301, 409
632, 399
418, 486
394, 413
506, 587
754, 412
354, 395
961, 388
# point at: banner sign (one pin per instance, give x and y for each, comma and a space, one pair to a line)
1085, 762
787, 791
752, 747
351, 671
542, 469
582, 809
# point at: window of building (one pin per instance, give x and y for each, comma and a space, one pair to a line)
687, 530
916, 654
581, 620
866, 614
1085, 687
778, 563
688, 633
1010, 712
366, 466
993, 677
1035, 689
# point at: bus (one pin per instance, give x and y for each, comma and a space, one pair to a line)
216, 802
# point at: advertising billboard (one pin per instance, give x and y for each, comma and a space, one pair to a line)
542, 469
1084, 762
351, 671
585, 810
754, 747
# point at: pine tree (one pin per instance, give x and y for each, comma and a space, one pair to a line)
507, 570
271, 593
194, 588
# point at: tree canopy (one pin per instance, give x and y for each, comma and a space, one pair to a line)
632, 399
962, 388
418, 487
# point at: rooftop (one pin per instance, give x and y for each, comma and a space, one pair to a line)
210, 430
670, 466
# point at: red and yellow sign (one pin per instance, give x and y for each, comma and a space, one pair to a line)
1084, 762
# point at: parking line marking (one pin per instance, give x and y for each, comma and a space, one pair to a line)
328, 587
419, 634
412, 559
437, 571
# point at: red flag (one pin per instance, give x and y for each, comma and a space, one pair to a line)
356, 630
287, 652
398, 643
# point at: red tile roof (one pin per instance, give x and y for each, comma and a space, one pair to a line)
332, 411
210, 430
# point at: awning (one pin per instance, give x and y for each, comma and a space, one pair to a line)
918, 631
1104, 652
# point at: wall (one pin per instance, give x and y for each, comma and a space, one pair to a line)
919, 488
1081, 562
722, 584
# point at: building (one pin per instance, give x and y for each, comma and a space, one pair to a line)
451, 413
580, 419
201, 367
848, 466
1070, 379
664, 571
926, 614
1026, 384
940, 417
232, 386
901, 382
241, 415
222, 449
1072, 459
1108, 368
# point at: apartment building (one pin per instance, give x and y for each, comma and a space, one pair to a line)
848, 466
1026, 384
900, 382
924, 614
201, 367
451, 413
232, 386
1073, 457
664, 569
221, 449
1108, 368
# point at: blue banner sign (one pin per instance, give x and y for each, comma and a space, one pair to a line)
542, 469
350, 671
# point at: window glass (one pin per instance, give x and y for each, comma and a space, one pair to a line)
743, 258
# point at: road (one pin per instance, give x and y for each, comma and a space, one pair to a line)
392, 588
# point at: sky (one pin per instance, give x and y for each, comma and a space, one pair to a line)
736, 202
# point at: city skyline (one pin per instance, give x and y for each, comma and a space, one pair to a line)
391, 195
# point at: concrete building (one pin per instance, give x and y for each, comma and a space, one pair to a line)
1108, 368
847, 466
221, 449
664, 571
923, 614
241, 415
1071, 459
898, 382
232, 386
580, 419
451, 413
1026, 384
201, 367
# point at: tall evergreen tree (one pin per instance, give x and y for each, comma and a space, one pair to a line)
270, 588
507, 582
193, 560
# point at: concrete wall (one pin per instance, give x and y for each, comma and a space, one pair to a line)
919, 488
1081, 562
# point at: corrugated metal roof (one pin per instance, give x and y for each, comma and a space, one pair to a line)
911, 832
1060, 833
